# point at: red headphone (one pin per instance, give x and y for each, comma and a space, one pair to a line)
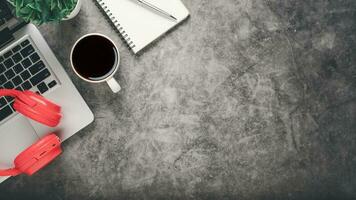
38, 155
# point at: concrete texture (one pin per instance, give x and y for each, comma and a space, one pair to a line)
248, 99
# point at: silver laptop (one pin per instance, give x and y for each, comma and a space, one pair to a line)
27, 63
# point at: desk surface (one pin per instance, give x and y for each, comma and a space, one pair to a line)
247, 100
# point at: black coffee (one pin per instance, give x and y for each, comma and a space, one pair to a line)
95, 57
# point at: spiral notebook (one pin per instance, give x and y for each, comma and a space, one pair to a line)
139, 25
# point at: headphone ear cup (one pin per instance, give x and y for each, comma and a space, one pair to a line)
38, 113
38, 108
39, 154
40, 99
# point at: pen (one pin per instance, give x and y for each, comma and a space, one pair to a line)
155, 8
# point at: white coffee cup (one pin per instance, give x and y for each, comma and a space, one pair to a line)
79, 57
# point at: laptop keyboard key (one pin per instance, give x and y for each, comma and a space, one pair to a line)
9, 63
36, 67
17, 80
5, 112
2, 68
1, 58
2, 102
9, 99
9, 74
2, 79
18, 68
25, 75
17, 57
8, 54
26, 63
16, 48
27, 51
25, 43
40, 77
19, 88
34, 57
42, 87
26, 85
52, 84
9, 85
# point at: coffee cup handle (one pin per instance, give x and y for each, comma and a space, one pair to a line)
114, 85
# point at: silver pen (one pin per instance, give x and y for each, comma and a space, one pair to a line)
155, 8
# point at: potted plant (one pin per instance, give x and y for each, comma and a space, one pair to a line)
43, 11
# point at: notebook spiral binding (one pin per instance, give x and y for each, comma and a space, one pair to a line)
116, 24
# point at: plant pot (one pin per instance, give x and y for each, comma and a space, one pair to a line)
75, 11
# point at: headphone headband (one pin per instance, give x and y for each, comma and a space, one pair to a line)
10, 172
8, 92
17, 94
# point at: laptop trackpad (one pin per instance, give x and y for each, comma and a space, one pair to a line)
15, 136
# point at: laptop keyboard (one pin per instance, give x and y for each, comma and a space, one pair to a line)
22, 68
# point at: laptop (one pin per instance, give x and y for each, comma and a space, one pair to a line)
27, 63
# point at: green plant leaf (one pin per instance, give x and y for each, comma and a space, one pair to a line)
42, 11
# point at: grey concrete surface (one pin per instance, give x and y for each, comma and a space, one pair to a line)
248, 99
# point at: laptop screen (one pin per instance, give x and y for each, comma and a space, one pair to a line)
8, 23
5, 12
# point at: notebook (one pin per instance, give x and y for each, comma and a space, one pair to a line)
139, 25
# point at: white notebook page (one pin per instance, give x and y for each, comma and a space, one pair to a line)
141, 24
